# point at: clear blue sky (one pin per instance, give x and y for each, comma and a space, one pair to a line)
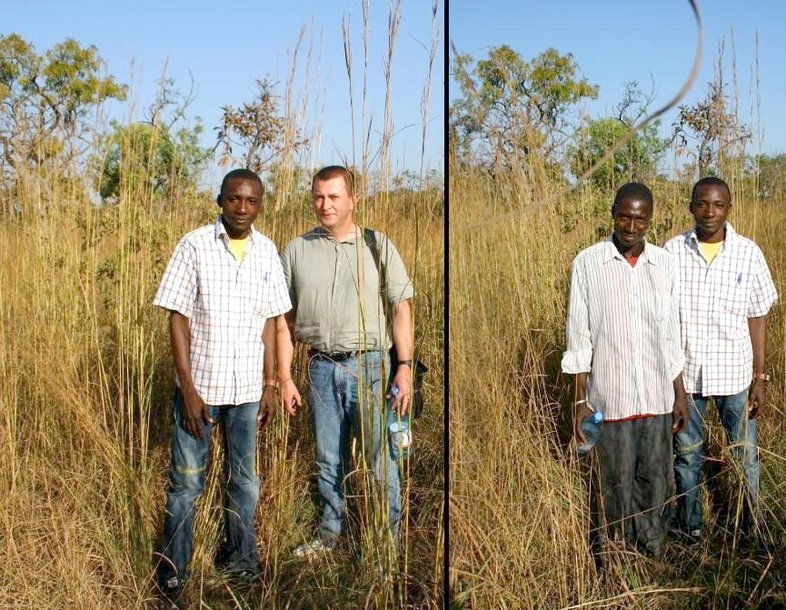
615, 41
227, 45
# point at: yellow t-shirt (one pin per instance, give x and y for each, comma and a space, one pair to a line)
710, 251
238, 248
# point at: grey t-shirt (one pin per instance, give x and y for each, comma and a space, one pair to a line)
334, 288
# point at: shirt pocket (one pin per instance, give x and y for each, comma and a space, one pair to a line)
732, 309
256, 305
734, 292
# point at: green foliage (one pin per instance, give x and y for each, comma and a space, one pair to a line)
637, 160
152, 158
46, 101
771, 173
511, 110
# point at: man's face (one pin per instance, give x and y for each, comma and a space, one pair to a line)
631, 222
710, 207
241, 199
333, 205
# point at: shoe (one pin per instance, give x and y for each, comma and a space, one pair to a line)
690, 538
693, 537
311, 549
245, 575
170, 592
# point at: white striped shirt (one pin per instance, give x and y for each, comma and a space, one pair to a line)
227, 304
623, 329
716, 301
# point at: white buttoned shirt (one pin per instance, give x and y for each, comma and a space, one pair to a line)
623, 329
716, 301
226, 303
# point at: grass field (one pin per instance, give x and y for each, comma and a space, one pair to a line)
519, 499
85, 382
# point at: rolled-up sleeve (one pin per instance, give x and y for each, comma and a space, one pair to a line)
578, 356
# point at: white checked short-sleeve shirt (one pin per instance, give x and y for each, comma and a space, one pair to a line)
226, 303
623, 329
716, 301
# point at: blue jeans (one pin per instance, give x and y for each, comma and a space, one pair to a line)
688, 454
187, 479
344, 398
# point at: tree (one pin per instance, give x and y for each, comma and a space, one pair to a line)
511, 110
636, 160
712, 124
771, 173
257, 129
151, 158
160, 155
47, 101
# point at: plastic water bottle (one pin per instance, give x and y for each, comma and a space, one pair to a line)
591, 429
399, 434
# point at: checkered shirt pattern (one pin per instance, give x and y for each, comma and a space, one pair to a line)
715, 303
623, 329
227, 304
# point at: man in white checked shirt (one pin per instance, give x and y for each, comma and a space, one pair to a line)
623, 347
726, 292
223, 288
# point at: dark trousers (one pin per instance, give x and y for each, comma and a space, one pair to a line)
636, 480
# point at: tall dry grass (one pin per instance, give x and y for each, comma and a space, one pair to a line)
519, 498
85, 384
85, 389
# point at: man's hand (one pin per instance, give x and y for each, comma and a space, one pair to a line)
267, 406
580, 413
756, 397
197, 414
403, 381
290, 397
679, 417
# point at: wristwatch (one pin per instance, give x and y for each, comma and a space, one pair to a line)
762, 376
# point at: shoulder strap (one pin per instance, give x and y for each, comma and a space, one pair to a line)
371, 242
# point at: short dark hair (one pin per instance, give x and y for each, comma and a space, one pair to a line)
632, 190
709, 181
242, 173
334, 171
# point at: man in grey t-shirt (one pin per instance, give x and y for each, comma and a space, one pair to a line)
334, 285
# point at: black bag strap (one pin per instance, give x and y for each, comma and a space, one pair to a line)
371, 242
419, 368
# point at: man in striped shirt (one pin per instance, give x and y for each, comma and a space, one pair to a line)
224, 289
726, 292
623, 347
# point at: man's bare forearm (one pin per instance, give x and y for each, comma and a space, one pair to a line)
758, 332
402, 330
180, 338
285, 347
270, 347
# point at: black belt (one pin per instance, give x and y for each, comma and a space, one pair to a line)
337, 356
